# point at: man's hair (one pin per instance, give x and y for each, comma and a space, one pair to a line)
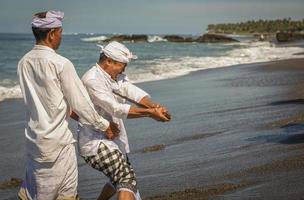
102, 57
40, 33
40, 14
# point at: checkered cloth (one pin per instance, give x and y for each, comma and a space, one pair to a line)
113, 164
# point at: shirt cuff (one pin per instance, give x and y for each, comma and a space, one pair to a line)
140, 94
103, 125
125, 111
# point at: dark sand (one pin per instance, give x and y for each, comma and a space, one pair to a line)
263, 180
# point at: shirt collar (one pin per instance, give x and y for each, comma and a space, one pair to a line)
104, 73
43, 47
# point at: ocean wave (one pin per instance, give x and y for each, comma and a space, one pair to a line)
165, 68
159, 69
12, 92
94, 39
151, 38
156, 38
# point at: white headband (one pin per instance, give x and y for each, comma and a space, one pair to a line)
53, 19
117, 52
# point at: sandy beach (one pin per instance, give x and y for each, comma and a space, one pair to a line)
236, 133
275, 177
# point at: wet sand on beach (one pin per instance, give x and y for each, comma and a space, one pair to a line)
265, 180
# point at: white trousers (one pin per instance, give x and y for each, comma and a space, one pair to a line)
51, 180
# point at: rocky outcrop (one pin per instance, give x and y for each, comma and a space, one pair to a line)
289, 36
128, 38
206, 38
177, 38
214, 38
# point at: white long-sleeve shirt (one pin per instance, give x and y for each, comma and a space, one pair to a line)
51, 88
100, 87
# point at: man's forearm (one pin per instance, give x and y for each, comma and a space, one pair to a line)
157, 113
136, 112
147, 102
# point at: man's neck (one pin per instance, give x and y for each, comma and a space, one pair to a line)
43, 43
102, 66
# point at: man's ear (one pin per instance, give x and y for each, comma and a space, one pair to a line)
51, 34
109, 61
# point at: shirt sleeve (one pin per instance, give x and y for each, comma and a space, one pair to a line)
78, 98
103, 97
126, 88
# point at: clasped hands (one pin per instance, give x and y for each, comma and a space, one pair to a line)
160, 113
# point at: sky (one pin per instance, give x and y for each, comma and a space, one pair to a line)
145, 16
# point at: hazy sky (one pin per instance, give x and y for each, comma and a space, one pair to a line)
145, 16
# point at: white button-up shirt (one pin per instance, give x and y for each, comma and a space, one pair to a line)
100, 87
51, 88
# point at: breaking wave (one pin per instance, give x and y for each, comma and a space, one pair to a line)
94, 39
151, 38
158, 69
12, 92
165, 68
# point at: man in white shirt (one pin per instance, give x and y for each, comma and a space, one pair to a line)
51, 89
109, 89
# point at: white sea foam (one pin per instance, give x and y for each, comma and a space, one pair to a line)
158, 69
94, 39
156, 38
151, 38
165, 68
10, 92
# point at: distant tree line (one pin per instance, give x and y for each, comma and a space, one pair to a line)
259, 26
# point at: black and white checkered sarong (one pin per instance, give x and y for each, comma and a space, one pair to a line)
113, 164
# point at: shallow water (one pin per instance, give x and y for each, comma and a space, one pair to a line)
156, 60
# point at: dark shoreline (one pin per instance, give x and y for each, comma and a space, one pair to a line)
230, 184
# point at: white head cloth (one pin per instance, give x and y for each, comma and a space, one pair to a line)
117, 52
53, 19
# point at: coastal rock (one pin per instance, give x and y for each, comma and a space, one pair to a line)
128, 38
264, 36
177, 38
289, 36
157, 147
12, 183
214, 38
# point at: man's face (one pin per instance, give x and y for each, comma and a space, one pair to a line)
56, 37
116, 68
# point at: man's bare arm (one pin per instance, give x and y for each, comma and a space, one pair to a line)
148, 103
155, 113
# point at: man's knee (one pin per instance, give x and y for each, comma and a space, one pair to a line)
129, 182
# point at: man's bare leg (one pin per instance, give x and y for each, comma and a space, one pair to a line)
125, 195
107, 192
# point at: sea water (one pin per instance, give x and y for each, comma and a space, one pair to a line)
157, 58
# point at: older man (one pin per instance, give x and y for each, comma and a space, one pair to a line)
109, 90
51, 88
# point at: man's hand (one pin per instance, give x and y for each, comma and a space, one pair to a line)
112, 131
160, 114
165, 111
74, 116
